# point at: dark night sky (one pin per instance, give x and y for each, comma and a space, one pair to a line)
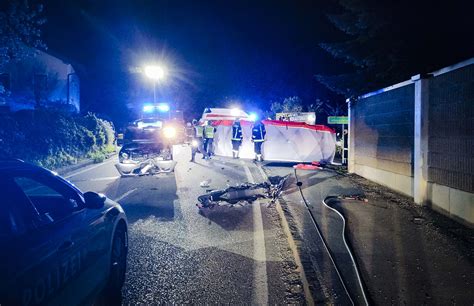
255, 51
218, 50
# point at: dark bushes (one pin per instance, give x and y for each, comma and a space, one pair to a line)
54, 139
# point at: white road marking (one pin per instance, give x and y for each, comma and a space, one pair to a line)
107, 178
126, 194
292, 244
264, 175
96, 179
260, 271
89, 168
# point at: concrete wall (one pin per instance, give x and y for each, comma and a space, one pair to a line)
383, 145
450, 158
451, 129
417, 137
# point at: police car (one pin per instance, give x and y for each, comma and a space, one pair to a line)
59, 246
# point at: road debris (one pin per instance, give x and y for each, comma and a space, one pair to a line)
418, 220
306, 167
205, 183
241, 194
357, 197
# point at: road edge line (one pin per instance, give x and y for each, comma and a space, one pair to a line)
260, 253
87, 168
292, 244
126, 194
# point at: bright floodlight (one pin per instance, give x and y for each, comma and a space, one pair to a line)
155, 72
163, 107
253, 117
235, 112
148, 108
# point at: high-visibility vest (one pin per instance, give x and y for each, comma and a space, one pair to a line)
236, 132
258, 133
209, 131
199, 131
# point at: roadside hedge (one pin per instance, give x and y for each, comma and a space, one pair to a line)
54, 139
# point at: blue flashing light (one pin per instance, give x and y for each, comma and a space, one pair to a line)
148, 108
163, 107
253, 117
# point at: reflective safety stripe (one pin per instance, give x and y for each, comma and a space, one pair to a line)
199, 131
209, 131
236, 132
237, 137
258, 133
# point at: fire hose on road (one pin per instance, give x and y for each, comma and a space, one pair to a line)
361, 297
248, 192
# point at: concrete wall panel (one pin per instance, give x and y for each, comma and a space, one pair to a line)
383, 127
451, 129
417, 137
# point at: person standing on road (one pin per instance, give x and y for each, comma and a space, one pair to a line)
258, 137
236, 138
197, 141
189, 132
209, 132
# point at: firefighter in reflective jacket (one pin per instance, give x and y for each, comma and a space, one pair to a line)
258, 137
197, 141
209, 132
236, 138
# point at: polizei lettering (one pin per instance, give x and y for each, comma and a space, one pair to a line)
47, 285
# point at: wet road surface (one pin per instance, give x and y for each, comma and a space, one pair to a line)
232, 255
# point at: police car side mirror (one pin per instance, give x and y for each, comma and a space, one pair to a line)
94, 200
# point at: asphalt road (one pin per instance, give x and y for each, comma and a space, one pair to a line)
327, 263
405, 254
226, 255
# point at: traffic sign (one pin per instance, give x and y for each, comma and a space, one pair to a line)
338, 120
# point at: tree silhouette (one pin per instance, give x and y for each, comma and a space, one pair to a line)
20, 31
